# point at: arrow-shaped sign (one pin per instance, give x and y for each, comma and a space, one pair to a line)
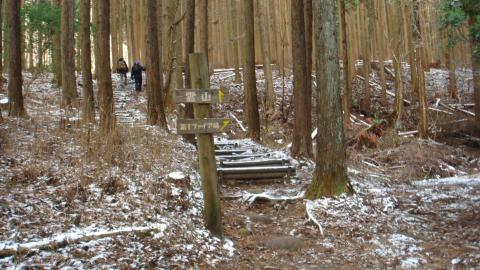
220, 96
226, 122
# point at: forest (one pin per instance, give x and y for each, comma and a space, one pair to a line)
239, 134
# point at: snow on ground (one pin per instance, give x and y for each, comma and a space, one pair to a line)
133, 200
67, 183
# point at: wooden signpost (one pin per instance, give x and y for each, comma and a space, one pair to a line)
201, 96
203, 126
206, 125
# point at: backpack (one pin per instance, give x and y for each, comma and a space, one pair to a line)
122, 66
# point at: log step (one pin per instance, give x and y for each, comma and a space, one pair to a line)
257, 170
229, 152
254, 163
237, 157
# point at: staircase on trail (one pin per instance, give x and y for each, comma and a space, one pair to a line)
239, 162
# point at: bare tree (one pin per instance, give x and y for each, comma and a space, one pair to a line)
262, 7
189, 48
156, 111
251, 102
15, 95
88, 100
104, 71
69, 88
330, 176
302, 142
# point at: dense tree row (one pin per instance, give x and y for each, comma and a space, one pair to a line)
235, 33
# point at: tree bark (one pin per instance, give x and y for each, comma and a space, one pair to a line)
365, 101
301, 145
395, 22
189, 48
452, 85
383, 50
270, 98
475, 54
1, 46
420, 71
234, 34
407, 20
104, 72
330, 176
203, 25
308, 17
251, 102
113, 34
15, 96
69, 87
88, 100
156, 110
347, 95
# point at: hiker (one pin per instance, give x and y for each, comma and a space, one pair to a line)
136, 75
122, 69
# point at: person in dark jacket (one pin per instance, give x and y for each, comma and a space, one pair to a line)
122, 69
136, 75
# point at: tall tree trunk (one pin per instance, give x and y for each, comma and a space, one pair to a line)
383, 31
113, 35
96, 53
156, 111
130, 33
420, 68
234, 35
203, 25
69, 87
452, 85
407, 20
267, 70
189, 48
347, 95
160, 44
40, 38
1, 46
56, 51
15, 96
330, 176
30, 48
365, 102
88, 100
475, 54
395, 22
251, 102
308, 17
104, 72
301, 145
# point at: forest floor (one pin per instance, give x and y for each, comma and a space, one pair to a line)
70, 198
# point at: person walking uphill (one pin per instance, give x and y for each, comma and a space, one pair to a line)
136, 75
122, 69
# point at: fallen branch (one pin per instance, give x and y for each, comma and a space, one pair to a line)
360, 120
66, 239
311, 217
271, 196
226, 77
238, 122
374, 84
389, 72
438, 110
408, 133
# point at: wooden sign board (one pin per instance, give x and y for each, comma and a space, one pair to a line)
206, 125
205, 96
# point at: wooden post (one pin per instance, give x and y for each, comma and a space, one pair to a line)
206, 155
